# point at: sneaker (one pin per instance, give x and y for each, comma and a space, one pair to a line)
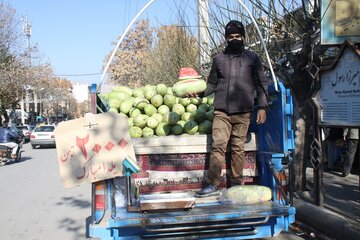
210, 190
344, 175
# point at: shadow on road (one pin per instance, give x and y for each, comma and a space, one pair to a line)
73, 225
23, 159
74, 202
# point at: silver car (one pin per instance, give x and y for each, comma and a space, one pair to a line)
43, 135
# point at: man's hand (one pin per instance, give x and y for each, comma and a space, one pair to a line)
192, 94
261, 116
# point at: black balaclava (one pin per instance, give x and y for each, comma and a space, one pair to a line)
235, 46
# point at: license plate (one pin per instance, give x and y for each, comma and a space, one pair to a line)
43, 135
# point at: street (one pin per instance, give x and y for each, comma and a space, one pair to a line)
35, 206
33, 203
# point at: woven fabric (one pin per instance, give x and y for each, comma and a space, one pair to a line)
178, 172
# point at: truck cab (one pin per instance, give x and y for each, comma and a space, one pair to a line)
172, 170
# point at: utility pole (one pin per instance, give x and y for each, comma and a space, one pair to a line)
27, 33
204, 36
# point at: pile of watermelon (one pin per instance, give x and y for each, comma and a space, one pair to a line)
153, 110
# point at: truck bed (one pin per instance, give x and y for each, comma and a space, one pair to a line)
178, 164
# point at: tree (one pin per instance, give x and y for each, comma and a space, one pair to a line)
56, 96
153, 55
128, 62
18, 74
173, 48
12, 68
82, 108
22, 72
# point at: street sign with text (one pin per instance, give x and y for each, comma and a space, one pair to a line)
339, 95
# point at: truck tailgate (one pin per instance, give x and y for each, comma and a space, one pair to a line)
217, 218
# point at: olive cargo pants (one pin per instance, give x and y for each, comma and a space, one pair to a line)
225, 127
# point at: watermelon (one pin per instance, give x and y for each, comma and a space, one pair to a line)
138, 92
185, 87
179, 109
161, 89
140, 120
147, 132
157, 116
122, 89
176, 129
135, 132
152, 122
150, 110
163, 109
191, 127
171, 118
188, 72
199, 115
114, 103
191, 108
185, 101
157, 100
205, 127
163, 129
169, 100
112, 109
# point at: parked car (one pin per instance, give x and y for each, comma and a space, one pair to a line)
26, 130
43, 135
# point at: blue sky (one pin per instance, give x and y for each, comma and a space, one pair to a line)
75, 35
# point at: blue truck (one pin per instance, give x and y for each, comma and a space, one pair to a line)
115, 211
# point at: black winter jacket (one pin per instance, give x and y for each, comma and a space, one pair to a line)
234, 78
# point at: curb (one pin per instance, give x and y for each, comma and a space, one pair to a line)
331, 224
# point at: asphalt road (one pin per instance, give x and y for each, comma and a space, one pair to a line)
33, 203
35, 206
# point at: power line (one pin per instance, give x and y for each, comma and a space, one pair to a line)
78, 75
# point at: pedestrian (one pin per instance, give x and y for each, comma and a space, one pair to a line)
236, 74
334, 137
351, 137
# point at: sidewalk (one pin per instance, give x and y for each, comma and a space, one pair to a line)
340, 217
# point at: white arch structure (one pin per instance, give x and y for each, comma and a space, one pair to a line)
151, 2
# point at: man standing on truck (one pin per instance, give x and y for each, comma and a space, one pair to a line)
235, 75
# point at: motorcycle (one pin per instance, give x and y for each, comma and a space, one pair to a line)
6, 152
5, 155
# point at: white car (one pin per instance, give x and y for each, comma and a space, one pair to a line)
43, 135
26, 130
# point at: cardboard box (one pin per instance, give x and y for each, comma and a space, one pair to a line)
92, 148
